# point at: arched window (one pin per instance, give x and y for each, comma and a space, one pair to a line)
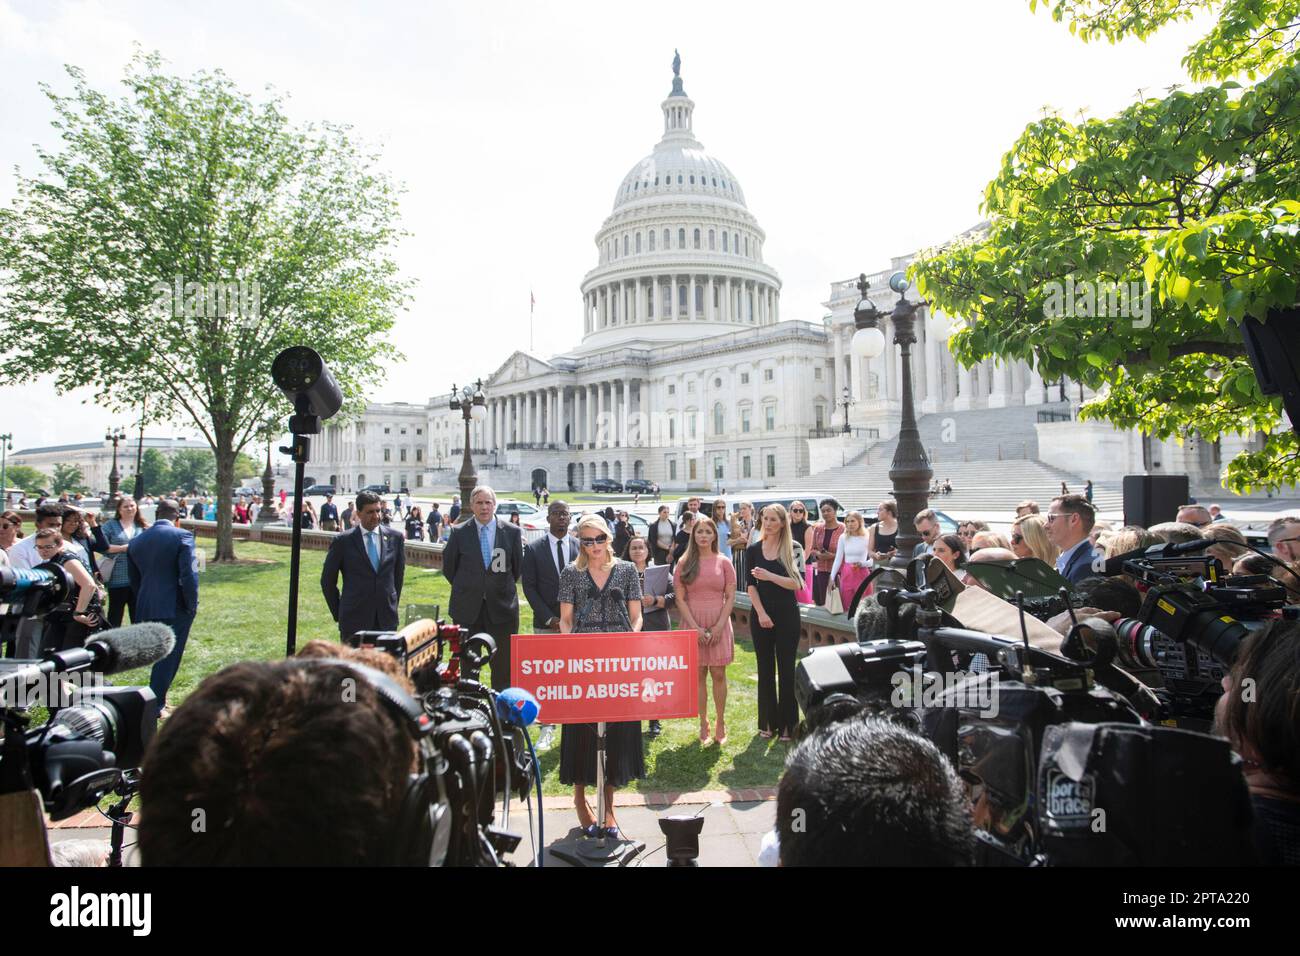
638, 242
668, 243
679, 179
656, 180
681, 238
650, 301
636, 186
747, 245
717, 297
668, 301
715, 182
681, 298
712, 246
672, 427
718, 419
652, 240
692, 179
697, 238
699, 300
625, 244
724, 241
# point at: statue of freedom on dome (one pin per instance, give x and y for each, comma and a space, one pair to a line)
677, 63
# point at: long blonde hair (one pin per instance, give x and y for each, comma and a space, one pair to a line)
785, 552
1034, 530
597, 522
690, 562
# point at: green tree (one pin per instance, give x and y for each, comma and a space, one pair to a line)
26, 477
246, 467
181, 238
192, 469
1194, 194
68, 478
156, 472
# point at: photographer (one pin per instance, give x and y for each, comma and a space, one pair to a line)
867, 792
1258, 714
72, 622
279, 769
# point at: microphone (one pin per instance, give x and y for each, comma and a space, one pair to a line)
118, 650
518, 707
1182, 547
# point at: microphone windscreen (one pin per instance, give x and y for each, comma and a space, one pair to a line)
517, 706
137, 645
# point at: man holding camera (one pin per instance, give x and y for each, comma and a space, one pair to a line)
372, 559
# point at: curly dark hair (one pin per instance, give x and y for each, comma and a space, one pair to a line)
272, 764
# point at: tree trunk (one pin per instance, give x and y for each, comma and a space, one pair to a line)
225, 453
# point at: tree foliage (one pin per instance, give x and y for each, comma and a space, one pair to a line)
179, 239
156, 471
27, 478
1193, 194
68, 478
192, 470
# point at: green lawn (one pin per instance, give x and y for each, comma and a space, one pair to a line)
242, 617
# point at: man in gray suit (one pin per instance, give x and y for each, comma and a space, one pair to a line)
927, 526
372, 559
483, 559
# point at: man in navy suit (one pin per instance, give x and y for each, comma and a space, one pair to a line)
372, 559
1069, 522
544, 559
483, 560
542, 567
164, 576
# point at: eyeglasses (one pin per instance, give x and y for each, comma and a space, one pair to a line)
592, 542
1017, 539
1050, 517
968, 534
797, 511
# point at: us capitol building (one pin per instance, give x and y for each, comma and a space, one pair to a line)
687, 373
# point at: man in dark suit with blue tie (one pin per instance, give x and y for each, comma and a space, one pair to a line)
1069, 523
372, 559
483, 560
164, 577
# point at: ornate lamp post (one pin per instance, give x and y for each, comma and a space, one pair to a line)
472, 404
267, 514
6, 446
847, 401
910, 472
114, 435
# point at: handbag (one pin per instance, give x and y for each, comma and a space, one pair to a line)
106, 566
834, 604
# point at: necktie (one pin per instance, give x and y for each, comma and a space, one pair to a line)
485, 546
559, 556
372, 546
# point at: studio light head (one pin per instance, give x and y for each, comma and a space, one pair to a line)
301, 374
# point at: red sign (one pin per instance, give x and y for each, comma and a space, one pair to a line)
585, 678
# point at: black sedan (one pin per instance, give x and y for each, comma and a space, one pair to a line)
607, 484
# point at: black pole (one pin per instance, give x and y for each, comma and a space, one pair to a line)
295, 548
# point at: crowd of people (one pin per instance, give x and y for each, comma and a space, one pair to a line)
598, 575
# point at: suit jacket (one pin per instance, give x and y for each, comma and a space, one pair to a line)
475, 588
1080, 564
369, 599
541, 577
163, 573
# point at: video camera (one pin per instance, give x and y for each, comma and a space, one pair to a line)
1056, 752
484, 748
1191, 622
26, 596
96, 734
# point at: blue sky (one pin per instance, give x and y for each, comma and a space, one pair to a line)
859, 131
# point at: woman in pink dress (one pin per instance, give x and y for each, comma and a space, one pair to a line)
705, 587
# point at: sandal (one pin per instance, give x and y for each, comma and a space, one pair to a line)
611, 832
592, 831
721, 738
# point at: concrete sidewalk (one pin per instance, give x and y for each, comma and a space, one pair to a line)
733, 827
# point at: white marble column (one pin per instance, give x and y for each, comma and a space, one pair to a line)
690, 299
627, 409
600, 412
965, 387
998, 395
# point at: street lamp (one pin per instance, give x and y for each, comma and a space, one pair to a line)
6, 446
114, 435
848, 400
910, 472
472, 404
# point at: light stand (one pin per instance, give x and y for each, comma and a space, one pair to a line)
302, 376
910, 472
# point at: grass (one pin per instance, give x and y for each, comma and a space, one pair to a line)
241, 616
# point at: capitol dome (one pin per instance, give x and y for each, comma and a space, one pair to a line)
680, 254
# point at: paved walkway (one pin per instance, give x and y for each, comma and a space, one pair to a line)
734, 824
